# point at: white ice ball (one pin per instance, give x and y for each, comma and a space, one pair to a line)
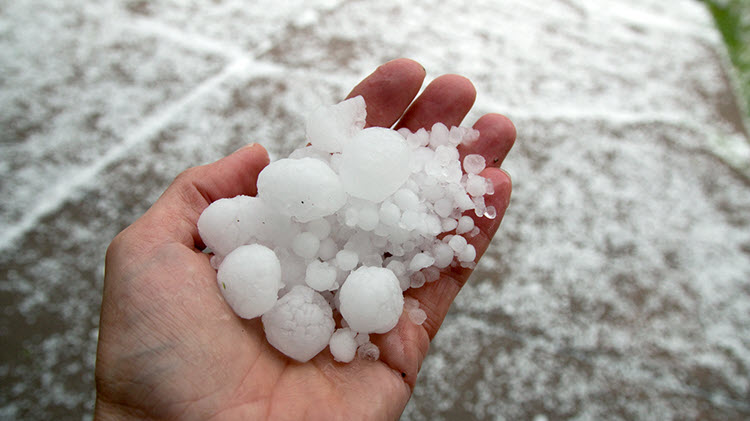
371, 300
320, 276
228, 223
250, 278
343, 345
305, 189
300, 324
374, 164
329, 128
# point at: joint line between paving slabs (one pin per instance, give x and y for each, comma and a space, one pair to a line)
73, 183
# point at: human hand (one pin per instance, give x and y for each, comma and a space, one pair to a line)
171, 348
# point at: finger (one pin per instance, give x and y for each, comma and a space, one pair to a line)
436, 297
447, 100
496, 136
389, 90
404, 348
174, 216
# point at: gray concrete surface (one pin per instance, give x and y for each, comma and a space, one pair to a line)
617, 288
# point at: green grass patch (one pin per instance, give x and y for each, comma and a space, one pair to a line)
733, 20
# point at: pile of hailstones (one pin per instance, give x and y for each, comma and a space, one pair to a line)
346, 224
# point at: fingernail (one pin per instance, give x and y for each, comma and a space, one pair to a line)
508, 174
248, 146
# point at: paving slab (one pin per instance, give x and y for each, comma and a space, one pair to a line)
616, 288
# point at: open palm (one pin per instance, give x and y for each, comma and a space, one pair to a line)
171, 348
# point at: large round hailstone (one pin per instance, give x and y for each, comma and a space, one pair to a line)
300, 324
374, 164
223, 226
305, 189
250, 279
371, 300
330, 128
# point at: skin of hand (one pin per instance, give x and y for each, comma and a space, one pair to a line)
171, 348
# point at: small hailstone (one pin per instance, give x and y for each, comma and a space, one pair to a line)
300, 325
250, 278
443, 207
327, 249
417, 280
420, 261
457, 243
368, 218
474, 232
368, 351
438, 135
410, 220
371, 300
397, 267
362, 338
476, 185
374, 164
465, 224
468, 254
389, 213
343, 346
410, 304
346, 259
320, 227
224, 225
417, 316
449, 224
479, 206
474, 164
490, 212
305, 189
330, 127
320, 276
431, 274
443, 254
306, 245
406, 200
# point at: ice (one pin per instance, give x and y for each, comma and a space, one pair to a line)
431, 274
389, 213
457, 243
443, 254
490, 212
250, 278
223, 225
465, 224
305, 189
300, 324
330, 127
368, 351
327, 249
320, 227
377, 207
474, 163
476, 185
406, 200
371, 300
421, 261
417, 280
343, 346
468, 254
306, 245
320, 276
417, 316
374, 164
347, 259
368, 218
